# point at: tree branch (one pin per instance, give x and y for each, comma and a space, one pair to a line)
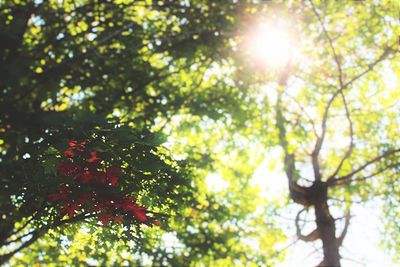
351, 134
314, 235
320, 140
330, 40
310, 120
297, 192
345, 228
342, 87
17, 238
346, 179
37, 233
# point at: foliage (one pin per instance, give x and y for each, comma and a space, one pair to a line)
118, 74
164, 91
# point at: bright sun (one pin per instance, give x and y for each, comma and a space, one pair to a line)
269, 45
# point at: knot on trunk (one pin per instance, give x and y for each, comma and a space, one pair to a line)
308, 196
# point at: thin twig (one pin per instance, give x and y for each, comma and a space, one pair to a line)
346, 179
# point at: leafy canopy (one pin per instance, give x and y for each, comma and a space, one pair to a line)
164, 91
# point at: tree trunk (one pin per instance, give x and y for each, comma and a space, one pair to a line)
326, 228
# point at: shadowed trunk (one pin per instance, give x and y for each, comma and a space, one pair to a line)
317, 196
326, 229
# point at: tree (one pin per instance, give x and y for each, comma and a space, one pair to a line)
340, 171
100, 81
309, 119
163, 94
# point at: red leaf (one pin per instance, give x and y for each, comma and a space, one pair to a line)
101, 177
114, 171
70, 209
113, 180
85, 197
113, 174
83, 143
72, 143
105, 219
63, 189
93, 157
79, 147
125, 203
69, 153
55, 196
61, 195
67, 168
85, 176
140, 214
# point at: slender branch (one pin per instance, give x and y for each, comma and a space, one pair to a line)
297, 192
351, 134
310, 120
370, 67
364, 178
354, 261
37, 233
280, 121
346, 179
342, 87
285, 247
346, 201
320, 140
21, 228
345, 228
314, 235
330, 40
17, 238
34, 216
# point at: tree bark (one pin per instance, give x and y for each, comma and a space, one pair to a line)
326, 228
317, 196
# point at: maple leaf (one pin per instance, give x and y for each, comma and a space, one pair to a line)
77, 146
104, 218
101, 177
93, 157
81, 146
55, 196
140, 213
85, 176
72, 143
68, 168
85, 197
105, 204
113, 174
137, 211
102, 205
70, 209
61, 195
69, 153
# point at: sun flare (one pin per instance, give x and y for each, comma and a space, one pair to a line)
270, 45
